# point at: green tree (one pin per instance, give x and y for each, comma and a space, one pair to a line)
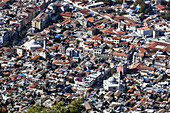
35, 109
165, 15
7, 44
41, 58
144, 8
58, 108
74, 107
119, 1
165, 2
142, 17
139, 2
113, 70
62, 58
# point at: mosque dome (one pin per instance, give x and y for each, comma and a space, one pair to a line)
111, 79
33, 42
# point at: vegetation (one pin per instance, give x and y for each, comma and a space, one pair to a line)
49, 44
165, 3
7, 44
102, 60
41, 58
64, 29
3, 110
119, 1
16, 41
74, 107
142, 17
35, 109
161, 99
62, 58
122, 13
144, 8
166, 15
21, 35
57, 40
59, 19
153, 51
113, 70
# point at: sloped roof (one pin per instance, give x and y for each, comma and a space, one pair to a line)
120, 54
140, 66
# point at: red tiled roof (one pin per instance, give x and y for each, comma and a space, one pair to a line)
146, 28
66, 14
85, 11
120, 54
59, 5
161, 7
35, 57
111, 42
124, 42
91, 19
107, 31
96, 38
66, 21
162, 46
142, 49
140, 66
118, 38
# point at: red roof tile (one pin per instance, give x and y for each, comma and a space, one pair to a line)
120, 54
161, 7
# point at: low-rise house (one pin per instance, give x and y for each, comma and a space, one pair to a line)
145, 31
158, 45
161, 8
121, 56
143, 69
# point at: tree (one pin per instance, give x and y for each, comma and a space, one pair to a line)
139, 2
122, 13
119, 1
113, 70
7, 44
35, 109
142, 17
41, 58
74, 107
165, 2
144, 8
62, 58
165, 15
58, 107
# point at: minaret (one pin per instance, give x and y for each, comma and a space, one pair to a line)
118, 29
44, 43
119, 24
124, 4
